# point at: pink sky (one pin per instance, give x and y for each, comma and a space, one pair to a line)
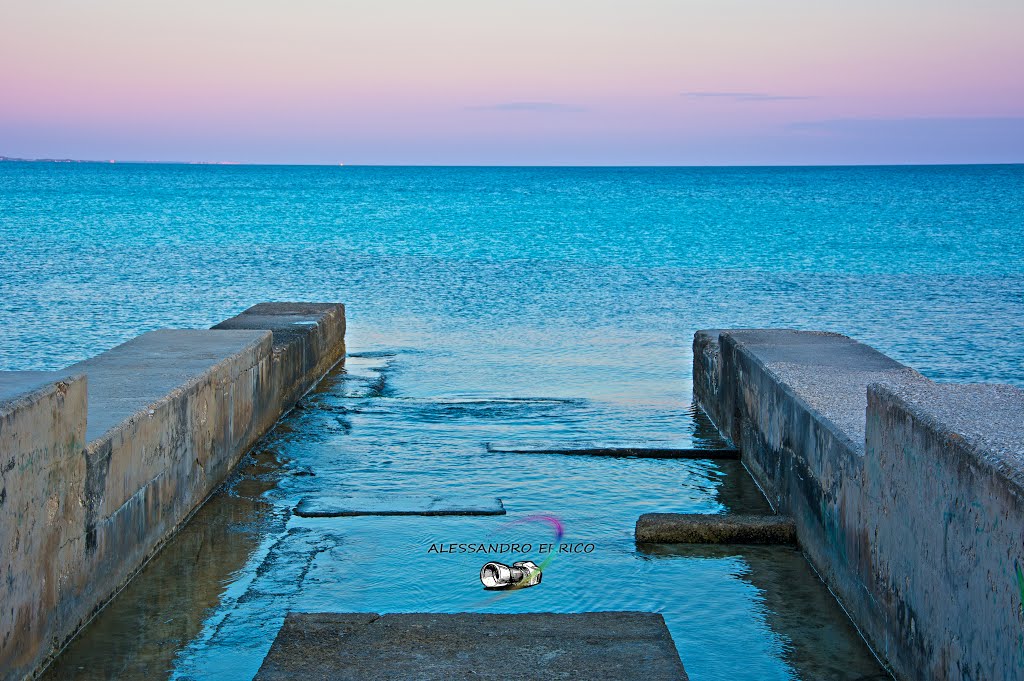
487, 82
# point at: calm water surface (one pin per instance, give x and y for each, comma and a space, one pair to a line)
552, 305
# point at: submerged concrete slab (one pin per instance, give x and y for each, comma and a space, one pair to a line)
700, 528
437, 647
640, 451
397, 504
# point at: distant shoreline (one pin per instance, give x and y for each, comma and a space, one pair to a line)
14, 159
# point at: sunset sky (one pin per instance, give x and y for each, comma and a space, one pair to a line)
677, 82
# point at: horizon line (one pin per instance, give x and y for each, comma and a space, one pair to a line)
11, 159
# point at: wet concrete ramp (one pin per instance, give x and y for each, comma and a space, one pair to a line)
397, 504
429, 647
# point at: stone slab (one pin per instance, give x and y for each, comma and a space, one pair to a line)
434, 647
397, 504
628, 450
701, 528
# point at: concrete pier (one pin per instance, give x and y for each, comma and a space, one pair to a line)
103, 461
906, 494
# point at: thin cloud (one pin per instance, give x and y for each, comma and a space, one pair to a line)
746, 96
548, 107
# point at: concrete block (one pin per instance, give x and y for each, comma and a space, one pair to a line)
309, 339
827, 373
168, 398
640, 451
944, 508
701, 528
397, 504
707, 379
428, 647
42, 494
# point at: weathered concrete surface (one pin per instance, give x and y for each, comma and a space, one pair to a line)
168, 415
428, 647
15, 384
639, 451
309, 339
827, 373
162, 393
397, 504
42, 488
795, 404
710, 528
945, 499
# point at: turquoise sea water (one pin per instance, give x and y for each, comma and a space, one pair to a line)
925, 263
553, 305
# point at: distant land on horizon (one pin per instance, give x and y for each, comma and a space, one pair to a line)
15, 159
88, 160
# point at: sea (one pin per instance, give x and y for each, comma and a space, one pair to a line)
500, 305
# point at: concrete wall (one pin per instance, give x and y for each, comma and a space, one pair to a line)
42, 489
168, 415
945, 485
308, 339
795, 403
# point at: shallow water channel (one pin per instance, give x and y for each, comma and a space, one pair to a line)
410, 421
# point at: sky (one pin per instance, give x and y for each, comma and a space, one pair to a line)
514, 82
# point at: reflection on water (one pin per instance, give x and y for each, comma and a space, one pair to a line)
393, 421
817, 639
141, 631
